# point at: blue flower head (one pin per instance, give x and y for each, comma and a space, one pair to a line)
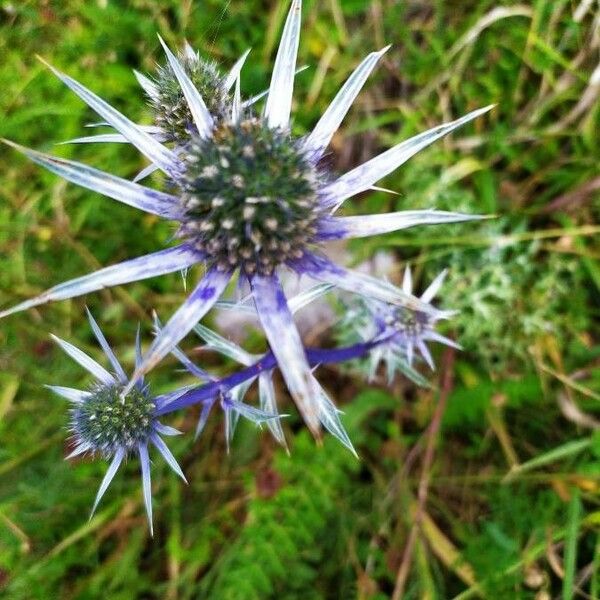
411, 329
114, 425
250, 200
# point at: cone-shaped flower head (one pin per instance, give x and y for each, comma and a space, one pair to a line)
170, 109
251, 198
411, 329
104, 422
109, 423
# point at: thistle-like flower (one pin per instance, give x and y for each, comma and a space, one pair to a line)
402, 332
169, 107
106, 422
251, 198
171, 116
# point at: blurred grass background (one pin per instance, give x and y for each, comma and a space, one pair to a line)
487, 485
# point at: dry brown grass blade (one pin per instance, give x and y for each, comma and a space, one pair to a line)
447, 382
574, 198
446, 551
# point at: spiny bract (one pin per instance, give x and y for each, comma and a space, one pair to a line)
170, 108
112, 422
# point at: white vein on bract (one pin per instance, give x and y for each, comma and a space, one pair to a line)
151, 168
295, 303
376, 188
236, 108
122, 190
407, 281
143, 267
224, 346
200, 113
302, 299
182, 321
330, 419
138, 347
114, 138
268, 403
332, 118
366, 285
254, 99
279, 101
167, 455
108, 477
145, 143
360, 179
189, 52
109, 138
434, 287
286, 345
180, 356
146, 483
87, 362
68, 393
235, 71
147, 85
232, 414
106, 348
368, 225
166, 429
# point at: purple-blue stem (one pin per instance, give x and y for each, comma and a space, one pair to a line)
315, 356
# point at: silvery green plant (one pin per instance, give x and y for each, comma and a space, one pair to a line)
250, 201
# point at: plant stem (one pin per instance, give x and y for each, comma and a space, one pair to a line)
315, 356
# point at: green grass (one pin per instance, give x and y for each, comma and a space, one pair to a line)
508, 497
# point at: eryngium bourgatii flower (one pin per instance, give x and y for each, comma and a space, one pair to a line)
172, 119
403, 332
169, 106
249, 197
106, 422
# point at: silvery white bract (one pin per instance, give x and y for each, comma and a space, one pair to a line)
230, 400
106, 422
250, 198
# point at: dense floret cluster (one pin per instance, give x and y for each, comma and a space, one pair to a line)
250, 197
105, 421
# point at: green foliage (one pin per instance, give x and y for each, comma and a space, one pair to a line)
468, 403
286, 541
546, 293
520, 518
292, 543
170, 109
